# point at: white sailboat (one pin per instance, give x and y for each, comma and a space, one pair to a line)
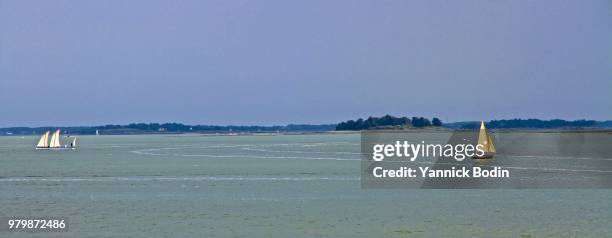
54, 144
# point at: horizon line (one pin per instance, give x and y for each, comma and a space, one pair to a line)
283, 125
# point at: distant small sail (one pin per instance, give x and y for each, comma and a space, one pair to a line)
55, 143
73, 144
42, 143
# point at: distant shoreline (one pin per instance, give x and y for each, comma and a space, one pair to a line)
408, 130
166, 128
372, 123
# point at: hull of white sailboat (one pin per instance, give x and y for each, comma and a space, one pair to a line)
56, 148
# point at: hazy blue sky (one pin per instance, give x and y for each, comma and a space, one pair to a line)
277, 62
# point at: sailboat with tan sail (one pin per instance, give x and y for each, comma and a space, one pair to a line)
486, 142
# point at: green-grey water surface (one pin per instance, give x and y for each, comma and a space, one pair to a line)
264, 186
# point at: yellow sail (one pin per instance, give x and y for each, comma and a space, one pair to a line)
485, 140
55, 143
42, 143
490, 143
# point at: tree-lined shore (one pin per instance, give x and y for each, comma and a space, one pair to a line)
166, 128
391, 122
387, 122
535, 124
384, 122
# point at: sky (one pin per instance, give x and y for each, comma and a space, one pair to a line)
318, 61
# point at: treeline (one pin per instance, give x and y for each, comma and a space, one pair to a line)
351, 125
539, 124
150, 128
387, 122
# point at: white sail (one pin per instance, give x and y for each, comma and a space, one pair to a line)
55, 142
73, 144
42, 143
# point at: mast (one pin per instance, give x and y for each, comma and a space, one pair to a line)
43, 142
55, 143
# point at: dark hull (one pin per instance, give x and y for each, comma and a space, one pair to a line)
487, 155
56, 148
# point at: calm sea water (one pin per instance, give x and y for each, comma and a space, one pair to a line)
263, 186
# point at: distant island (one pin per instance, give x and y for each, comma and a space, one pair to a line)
533, 124
391, 122
387, 122
370, 123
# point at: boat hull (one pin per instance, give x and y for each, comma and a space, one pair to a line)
56, 148
487, 155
